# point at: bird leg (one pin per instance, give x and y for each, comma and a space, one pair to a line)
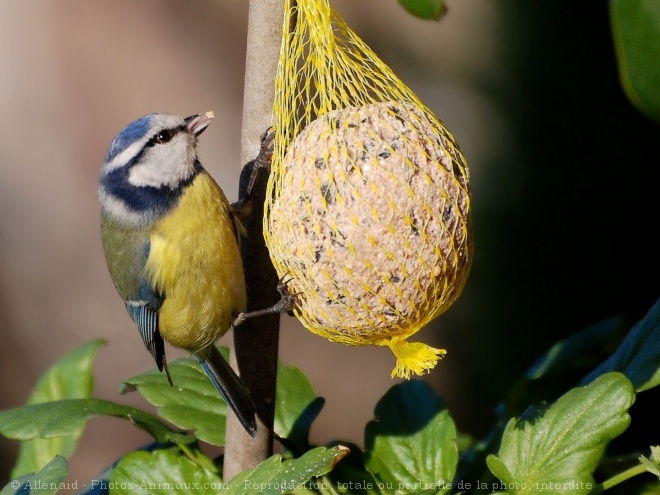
285, 305
250, 175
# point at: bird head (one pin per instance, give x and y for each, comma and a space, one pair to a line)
149, 164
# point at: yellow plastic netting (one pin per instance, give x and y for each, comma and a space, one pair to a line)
368, 210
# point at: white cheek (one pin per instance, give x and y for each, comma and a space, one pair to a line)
164, 165
148, 174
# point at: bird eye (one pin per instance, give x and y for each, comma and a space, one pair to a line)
164, 136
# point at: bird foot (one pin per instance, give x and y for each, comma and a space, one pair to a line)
285, 305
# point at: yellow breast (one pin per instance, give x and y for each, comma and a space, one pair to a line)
195, 262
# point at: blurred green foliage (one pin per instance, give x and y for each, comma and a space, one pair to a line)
636, 28
411, 446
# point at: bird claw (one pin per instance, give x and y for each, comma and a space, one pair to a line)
251, 173
286, 304
287, 300
265, 156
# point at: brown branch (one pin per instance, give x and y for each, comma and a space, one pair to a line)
256, 341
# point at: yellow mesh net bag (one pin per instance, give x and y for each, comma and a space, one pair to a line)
368, 209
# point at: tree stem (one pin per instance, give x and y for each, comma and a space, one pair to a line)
256, 341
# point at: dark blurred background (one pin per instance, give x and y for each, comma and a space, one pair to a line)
565, 176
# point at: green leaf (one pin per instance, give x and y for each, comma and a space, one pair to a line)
655, 454
162, 472
350, 475
411, 446
65, 417
101, 483
425, 9
46, 482
194, 403
557, 449
296, 407
636, 30
638, 356
579, 349
69, 378
499, 469
567, 361
274, 477
652, 463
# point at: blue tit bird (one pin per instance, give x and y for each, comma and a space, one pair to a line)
171, 242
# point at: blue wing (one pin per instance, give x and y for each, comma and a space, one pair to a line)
144, 311
126, 251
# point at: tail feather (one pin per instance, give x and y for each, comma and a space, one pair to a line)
231, 388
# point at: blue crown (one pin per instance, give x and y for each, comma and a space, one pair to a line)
131, 133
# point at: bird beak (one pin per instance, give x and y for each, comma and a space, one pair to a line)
197, 123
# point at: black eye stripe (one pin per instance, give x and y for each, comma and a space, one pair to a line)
164, 136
